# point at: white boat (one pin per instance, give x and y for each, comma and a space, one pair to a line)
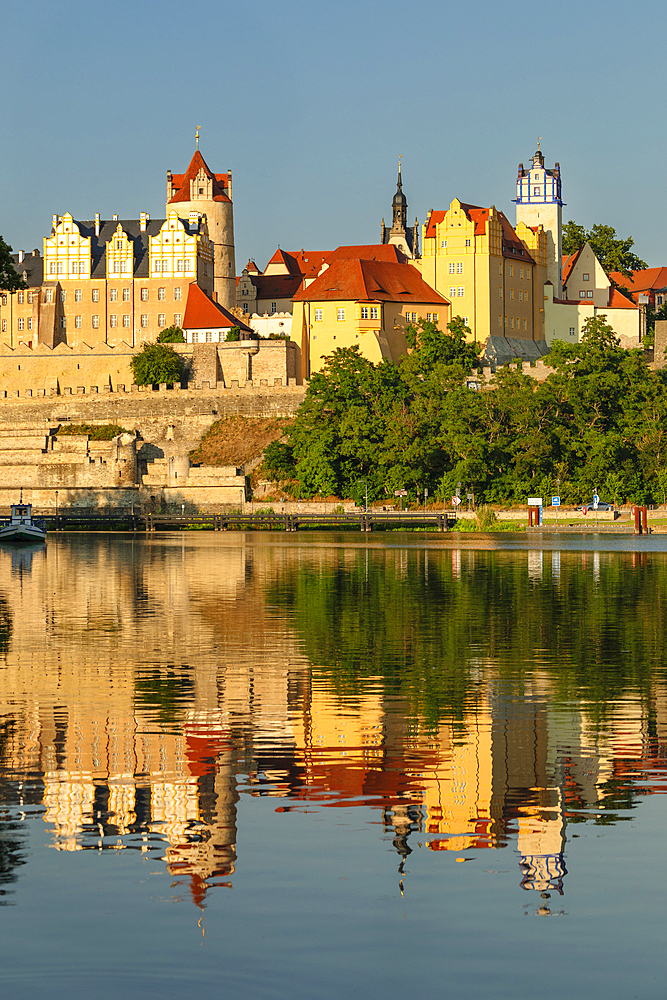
22, 527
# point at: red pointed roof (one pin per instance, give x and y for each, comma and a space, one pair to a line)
370, 281
182, 181
202, 312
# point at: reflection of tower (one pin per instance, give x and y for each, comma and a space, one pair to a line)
541, 843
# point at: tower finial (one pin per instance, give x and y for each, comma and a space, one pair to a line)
197, 136
399, 164
538, 143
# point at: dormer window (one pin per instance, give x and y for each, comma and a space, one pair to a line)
201, 190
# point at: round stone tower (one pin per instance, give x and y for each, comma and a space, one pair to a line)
200, 190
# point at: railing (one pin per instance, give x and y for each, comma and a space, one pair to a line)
126, 520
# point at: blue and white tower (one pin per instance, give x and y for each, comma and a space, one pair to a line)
539, 203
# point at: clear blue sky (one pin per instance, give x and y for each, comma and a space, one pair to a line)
310, 104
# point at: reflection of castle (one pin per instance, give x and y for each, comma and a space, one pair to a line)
141, 746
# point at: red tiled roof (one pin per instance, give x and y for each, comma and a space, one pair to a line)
569, 262
201, 312
642, 281
276, 286
617, 300
252, 268
387, 252
435, 219
370, 280
182, 181
309, 262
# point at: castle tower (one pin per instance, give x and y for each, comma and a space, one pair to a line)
405, 237
538, 203
200, 190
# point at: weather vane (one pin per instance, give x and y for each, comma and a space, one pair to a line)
197, 136
538, 143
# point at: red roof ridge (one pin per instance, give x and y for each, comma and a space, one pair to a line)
201, 311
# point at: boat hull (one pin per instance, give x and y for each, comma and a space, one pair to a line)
21, 534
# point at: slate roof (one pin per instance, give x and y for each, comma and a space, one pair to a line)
202, 312
31, 268
370, 281
132, 228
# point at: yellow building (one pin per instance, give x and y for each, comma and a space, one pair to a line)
492, 274
367, 303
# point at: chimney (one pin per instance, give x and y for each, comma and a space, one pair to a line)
97, 223
229, 184
115, 218
21, 256
170, 192
56, 220
143, 219
35, 252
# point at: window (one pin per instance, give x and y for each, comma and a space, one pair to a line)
177, 319
452, 267
113, 295
188, 267
318, 314
586, 277
4, 300
525, 327
443, 244
30, 322
52, 268
589, 295
96, 295
126, 295
500, 293
659, 300
340, 314
364, 312
157, 266
4, 326
511, 294
375, 312
452, 291
195, 338
461, 291
161, 294
273, 307
63, 323
113, 321
512, 322
582, 294
179, 265
63, 296
20, 323
467, 243
144, 320
572, 331
500, 321
115, 267
77, 295
435, 317
20, 298
209, 337
77, 322
59, 268
536, 191
144, 295
465, 320
165, 265
521, 272
160, 319
500, 269
511, 270
49, 295
177, 295
126, 319
459, 267
428, 317
246, 309
527, 275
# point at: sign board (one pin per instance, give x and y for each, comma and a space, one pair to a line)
456, 501
555, 501
470, 496
596, 498
595, 505
425, 492
400, 493
584, 510
534, 501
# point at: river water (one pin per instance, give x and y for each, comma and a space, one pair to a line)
314, 766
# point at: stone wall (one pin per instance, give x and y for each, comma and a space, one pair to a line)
234, 364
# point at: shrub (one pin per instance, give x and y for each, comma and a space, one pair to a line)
157, 363
172, 335
105, 432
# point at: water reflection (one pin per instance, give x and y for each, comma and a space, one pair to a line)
465, 701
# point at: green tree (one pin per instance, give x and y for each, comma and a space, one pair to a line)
172, 335
234, 333
613, 252
155, 364
10, 280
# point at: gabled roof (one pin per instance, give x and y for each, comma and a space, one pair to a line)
434, 220
650, 279
512, 245
276, 286
370, 281
182, 181
387, 252
569, 262
202, 312
619, 301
